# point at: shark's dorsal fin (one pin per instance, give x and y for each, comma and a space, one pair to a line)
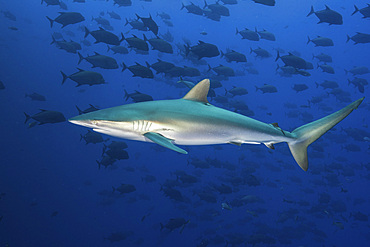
199, 92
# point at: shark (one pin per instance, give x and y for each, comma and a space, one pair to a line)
192, 120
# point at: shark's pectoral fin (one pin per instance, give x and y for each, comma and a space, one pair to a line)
163, 141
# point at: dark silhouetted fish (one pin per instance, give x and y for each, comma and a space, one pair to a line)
9, 15
160, 45
67, 18
193, 9
321, 41
162, 66
50, 2
92, 137
267, 88
262, 53
68, 46
327, 15
364, 11
266, 35
135, 24
248, 34
118, 49
359, 38
139, 70
104, 36
265, 2
222, 70
83, 77
123, 3
36, 96
137, 43
87, 110
292, 60
234, 56
217, 8
101, 61
203, 49
138, 97
149, 23
46, 116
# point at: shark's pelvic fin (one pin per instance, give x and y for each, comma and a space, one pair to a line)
163, 141
199, 92
307, 134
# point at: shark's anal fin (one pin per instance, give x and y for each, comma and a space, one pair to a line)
163, 141
269, 145
235, 143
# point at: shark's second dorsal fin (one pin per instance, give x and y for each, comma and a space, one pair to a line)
199, 92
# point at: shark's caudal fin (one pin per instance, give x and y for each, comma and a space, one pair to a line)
307, 134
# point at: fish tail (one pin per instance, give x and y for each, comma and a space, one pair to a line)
114, 189
209, 68
122, 38
356, 10
81, 58
79, 110
256, 88
28, 117
162, 226
87, 32
127, 22
277, 56
348, 38
205, 4
307, 134
317, 84
53, 41
126, 95
108, 48
311, 12
65, 77
237, 31
183, 6
308, 41
278, 67
51, 21
124, 67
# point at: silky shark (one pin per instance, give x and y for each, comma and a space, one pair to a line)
192, 120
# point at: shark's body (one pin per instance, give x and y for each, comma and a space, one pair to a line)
193, 121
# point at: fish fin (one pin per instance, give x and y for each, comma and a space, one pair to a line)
235, 143
269, 145
28, 117
164, 142
199, 92
307, 134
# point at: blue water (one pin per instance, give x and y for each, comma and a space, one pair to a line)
53, 194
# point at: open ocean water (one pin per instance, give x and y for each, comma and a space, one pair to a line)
63, 185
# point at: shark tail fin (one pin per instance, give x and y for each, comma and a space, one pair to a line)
307, 134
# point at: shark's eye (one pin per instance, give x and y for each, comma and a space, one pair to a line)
94, 122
